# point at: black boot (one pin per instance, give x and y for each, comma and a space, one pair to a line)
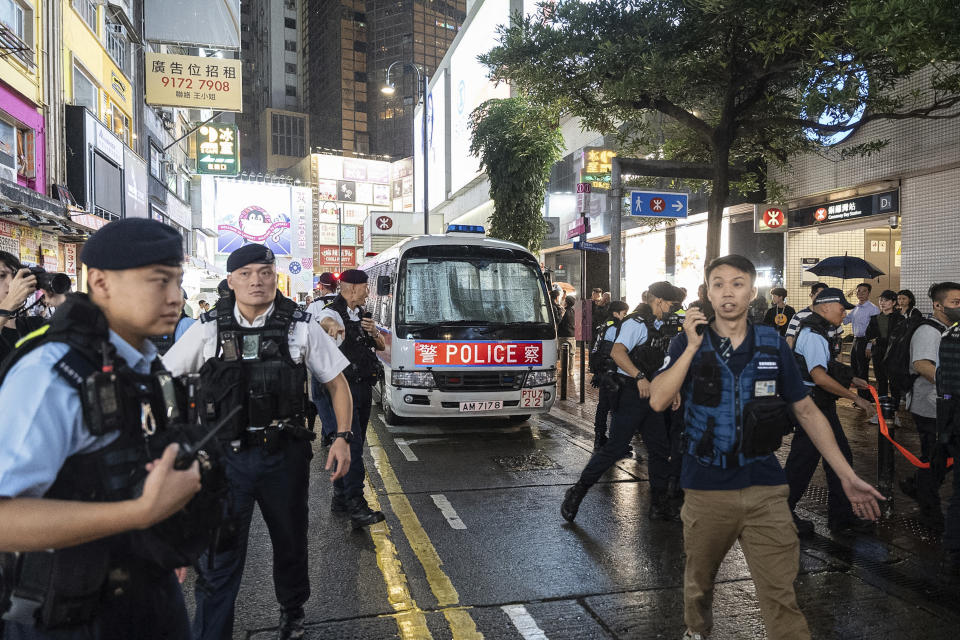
571, 501
674, 498
361, 515
598, 441
659, 506
339, 502
291, 625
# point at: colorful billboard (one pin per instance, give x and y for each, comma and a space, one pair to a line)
253, 212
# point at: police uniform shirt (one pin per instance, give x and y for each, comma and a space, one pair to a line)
794, 325
633, 333
767, 470
308, 343
353, 314
43, 418
182, 326
815, 351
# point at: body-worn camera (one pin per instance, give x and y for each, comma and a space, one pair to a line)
52, 282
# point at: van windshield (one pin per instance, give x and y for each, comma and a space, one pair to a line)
439, 290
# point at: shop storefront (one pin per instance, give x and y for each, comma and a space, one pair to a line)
22, 157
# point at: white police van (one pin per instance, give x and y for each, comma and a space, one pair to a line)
468, 326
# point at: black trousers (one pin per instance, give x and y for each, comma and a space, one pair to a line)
860, 364
351, 485
633, 414
802, 462
951, 537
880, 372
603, 411
928, 480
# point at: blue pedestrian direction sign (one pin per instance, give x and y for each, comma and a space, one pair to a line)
658, 204
590, 246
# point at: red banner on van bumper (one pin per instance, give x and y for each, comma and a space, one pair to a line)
441, 353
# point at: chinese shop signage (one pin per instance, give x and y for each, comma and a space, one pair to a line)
217, 152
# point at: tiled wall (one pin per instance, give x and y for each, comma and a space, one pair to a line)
930, 206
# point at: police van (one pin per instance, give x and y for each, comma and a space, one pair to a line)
468, 326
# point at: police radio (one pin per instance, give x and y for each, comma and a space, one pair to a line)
101, 392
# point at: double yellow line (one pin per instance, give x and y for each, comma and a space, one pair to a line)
411, 621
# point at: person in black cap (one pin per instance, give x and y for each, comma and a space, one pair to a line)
358, 338
638, 351
72, 462
254, 350
326, 293
828, 380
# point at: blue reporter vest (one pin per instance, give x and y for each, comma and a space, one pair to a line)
716, 397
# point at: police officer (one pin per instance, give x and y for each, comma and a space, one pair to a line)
737, 380
359, 340
605, 369
828, 380
948, 426
254, 349
326, 293
638, 352
164, 342
81, 398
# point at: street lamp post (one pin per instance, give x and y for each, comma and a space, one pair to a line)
389, 89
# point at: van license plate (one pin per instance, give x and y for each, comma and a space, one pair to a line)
485, 405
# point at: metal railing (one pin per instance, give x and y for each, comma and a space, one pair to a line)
88, 11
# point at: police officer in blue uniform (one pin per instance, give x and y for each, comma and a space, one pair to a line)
85, 406
604, 370
359, 339
828, 380
164, 342
737, 381
638, 352
254, 350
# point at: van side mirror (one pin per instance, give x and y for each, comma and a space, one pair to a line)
383, 285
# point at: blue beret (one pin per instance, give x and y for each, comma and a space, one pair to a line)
249, 254
353, 276
132, 243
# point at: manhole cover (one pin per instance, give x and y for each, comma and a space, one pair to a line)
536, 461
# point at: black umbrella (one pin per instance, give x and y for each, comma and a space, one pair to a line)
845, 267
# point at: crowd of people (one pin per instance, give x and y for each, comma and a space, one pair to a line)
713, 405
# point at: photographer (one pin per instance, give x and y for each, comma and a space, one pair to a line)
16, 285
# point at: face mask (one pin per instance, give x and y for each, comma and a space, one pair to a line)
952, 313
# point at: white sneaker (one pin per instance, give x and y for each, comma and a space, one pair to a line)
874, 419
693, 635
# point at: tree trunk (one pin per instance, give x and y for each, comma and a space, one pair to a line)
717, 201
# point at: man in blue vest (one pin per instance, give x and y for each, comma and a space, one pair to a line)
737, 381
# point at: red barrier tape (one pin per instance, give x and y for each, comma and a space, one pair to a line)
914, 460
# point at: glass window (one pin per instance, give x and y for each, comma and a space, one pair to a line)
290, 23
84, 90
291, 90
478, 290
12, 15
290, 45
290, 67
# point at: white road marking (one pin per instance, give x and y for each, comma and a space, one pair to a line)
405, 449
448, 511
524, 622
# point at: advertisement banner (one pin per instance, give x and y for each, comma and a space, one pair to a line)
480, 353
70, 259
329, 260
253, 212
327, 189
9, 241
195, 82
301, 263
214, 24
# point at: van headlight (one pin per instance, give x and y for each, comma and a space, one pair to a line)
418, 379
541, 378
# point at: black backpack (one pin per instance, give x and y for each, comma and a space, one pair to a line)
896, 361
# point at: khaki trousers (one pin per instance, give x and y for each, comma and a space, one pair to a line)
759, 518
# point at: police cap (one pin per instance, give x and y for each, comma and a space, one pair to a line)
832, 295
666, 291
353, 276
249, 254
132, 243
327, 279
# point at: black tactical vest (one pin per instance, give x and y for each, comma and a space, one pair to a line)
65, 588
948, 373
648, 357
253, 368
835, 369
358, 347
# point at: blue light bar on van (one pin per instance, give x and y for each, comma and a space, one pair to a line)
465, 228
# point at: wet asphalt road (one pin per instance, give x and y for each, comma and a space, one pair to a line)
474, 547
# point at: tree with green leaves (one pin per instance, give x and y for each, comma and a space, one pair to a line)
517, 143
737, 80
